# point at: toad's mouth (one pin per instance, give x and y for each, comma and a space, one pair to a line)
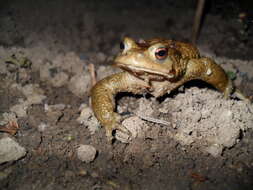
139, 71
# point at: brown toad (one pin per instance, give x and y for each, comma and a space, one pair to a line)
154, 66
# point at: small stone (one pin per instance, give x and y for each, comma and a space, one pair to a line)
7, 117
94, 174
196, 116
55, 107
54, 112
33, 93
31, 89
88, 119
101, 57
10, 150
83, 172
147, 161
35, 99
3, 69
20, 109
86, 153
79, 84
184, 138
59, 79
42, 127
45, 73
215, 150
24, 76
54, 116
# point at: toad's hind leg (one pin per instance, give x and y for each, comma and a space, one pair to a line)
207, 70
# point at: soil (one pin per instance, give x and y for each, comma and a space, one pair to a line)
53, 42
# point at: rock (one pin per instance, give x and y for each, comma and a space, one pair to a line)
228, 135
30, 90
33, 93
3, 69
45, 73
10, 150
86, 153
83, 172
215, 150
7, 117
54, 112
55, 107
59, 79
88, 119
42, 127
70, 62
80, 84
20, 109
24, 76
101, 57
184, 138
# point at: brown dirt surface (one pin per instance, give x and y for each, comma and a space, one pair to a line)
190, 139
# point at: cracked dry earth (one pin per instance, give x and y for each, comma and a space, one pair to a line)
190, 139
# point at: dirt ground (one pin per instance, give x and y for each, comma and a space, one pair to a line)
198, 139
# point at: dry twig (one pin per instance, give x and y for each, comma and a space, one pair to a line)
91, 69
197, 20
151, 119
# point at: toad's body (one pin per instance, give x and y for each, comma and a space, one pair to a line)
156, 66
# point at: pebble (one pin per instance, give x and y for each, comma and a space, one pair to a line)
42, 127
88, 119
86, 153
79, 84
10, 150
215, 150
59, 80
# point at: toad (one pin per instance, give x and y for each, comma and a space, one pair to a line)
155, 66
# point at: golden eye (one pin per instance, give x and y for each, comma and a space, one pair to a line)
161, 53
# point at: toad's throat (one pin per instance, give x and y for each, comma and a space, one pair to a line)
142, 71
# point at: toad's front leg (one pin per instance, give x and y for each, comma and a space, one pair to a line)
103, 94
207, 70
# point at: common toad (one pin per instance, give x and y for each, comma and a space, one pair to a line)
155, 66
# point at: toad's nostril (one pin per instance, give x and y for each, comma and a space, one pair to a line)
122, 46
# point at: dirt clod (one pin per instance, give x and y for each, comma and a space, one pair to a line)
136, 128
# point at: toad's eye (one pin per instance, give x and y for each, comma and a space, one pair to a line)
122, 46
161, 53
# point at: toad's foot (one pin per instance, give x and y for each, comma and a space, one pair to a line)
241, 96
114, 124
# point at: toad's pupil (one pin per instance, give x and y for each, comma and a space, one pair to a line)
161, 53
121, 46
